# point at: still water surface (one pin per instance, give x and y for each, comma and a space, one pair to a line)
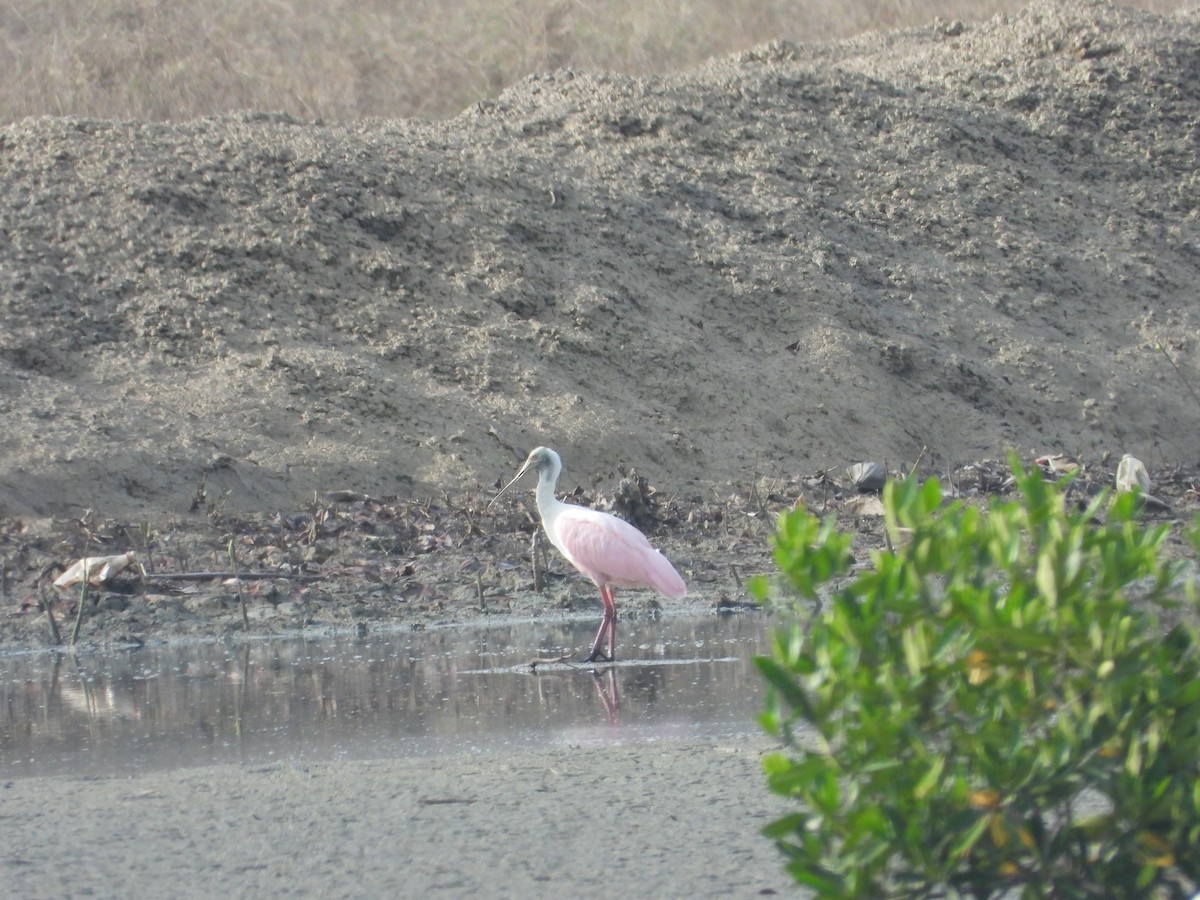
446, 690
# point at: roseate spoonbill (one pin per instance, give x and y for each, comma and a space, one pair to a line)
608, 550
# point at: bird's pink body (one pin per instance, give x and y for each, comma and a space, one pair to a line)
609, 551
612, 552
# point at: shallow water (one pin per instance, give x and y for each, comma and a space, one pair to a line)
446, 690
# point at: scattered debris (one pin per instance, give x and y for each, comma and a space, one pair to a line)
726, 604
635, 501
418, 562
1059, 465
346, 497
985, 476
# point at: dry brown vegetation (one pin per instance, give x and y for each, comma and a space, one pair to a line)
344, 59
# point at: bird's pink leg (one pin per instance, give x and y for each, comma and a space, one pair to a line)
610, 612
608, 624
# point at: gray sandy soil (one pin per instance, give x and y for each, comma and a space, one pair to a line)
669, 820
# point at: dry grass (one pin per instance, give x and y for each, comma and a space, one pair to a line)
349, 59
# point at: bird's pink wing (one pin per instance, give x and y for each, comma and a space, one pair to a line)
609, 550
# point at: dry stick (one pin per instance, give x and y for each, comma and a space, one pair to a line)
753, 496
537, 572
917, 461
48, 608
950, 479
83, 594
479, 590
209, 576
241, 596
1178, 372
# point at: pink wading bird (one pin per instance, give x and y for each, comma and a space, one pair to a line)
608, 550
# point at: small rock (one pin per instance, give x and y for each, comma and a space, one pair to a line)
261, 612
206, 604
113, 603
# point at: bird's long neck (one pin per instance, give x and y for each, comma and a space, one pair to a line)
548, 505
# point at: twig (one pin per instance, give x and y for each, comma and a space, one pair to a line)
537, 572
48, 608
472, 528
241, 596
479, 591
209, 576
917, 461
754, 496
83, 595
737, 579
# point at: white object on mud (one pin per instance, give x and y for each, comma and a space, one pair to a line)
1131, 473
94, 569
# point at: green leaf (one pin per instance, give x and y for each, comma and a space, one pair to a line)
786, 826
1047, 578
781, 680
929, 780
979, 682
759, 587
962, 847
825, 883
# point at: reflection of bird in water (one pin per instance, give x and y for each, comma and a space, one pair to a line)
606, 687
608, 550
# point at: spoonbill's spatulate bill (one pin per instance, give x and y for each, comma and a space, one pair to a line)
608, 550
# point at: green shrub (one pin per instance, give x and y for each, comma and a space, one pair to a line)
993, 709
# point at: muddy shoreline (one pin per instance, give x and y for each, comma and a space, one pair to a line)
365, 564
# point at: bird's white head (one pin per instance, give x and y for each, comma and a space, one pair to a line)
542, 460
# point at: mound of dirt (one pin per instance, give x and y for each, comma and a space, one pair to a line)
955, 238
